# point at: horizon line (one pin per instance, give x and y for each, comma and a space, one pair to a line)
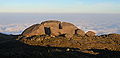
51, 13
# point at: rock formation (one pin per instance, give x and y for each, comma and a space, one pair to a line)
68, 29
37, 29
79, 32
90, 33
54, 28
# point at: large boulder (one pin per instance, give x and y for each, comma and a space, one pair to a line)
68, 29
36, 29
52, 28
80, 32
90, 33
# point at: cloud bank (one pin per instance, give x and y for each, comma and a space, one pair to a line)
99, 29
15, 23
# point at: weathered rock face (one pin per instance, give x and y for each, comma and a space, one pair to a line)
80, 32
90, 33
36, 29
68, 29
53, 28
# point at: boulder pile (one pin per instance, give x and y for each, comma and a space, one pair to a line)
55, 28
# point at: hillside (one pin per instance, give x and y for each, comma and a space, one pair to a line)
106, 46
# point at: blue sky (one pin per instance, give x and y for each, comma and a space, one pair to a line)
60, 6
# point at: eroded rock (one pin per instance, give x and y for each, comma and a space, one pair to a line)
53, 28
36, 29
90, 33
80, 32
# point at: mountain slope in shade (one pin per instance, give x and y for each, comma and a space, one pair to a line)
105, 46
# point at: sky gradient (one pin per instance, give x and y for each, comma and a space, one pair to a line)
60, 6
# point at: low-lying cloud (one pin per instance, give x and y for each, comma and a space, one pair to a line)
99, 29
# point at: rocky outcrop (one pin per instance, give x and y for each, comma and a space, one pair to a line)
37, 29
54, 28
80, 32
90, 33
68, 29
51, 28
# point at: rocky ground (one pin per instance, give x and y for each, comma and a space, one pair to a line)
17, 46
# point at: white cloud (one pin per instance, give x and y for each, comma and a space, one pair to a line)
13, 28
